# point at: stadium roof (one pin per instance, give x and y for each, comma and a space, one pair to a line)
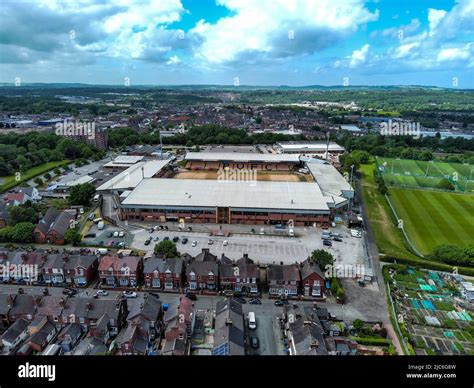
132, 176
197, 193
310, 147
241, 157
124, 161
331, 182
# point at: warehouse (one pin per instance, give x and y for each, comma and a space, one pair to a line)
237, 202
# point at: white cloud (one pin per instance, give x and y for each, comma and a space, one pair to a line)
173, 60
455, 53
358, 57
434, 17
260, 29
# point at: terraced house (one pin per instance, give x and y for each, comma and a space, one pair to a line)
116, 271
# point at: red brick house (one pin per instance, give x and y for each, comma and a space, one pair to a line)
202, 276
116, 271
163, 274
79, 270
312, 279
52, 227
179, 321
283, 280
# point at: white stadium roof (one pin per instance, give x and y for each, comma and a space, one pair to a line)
133, 175
193, 193
242, 157
310, 147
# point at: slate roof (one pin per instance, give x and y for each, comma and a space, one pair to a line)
17, 327
308, 268
202, 268
229, 326
283, 272
162, 265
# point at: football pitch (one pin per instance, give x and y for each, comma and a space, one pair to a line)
425, 175
432, 218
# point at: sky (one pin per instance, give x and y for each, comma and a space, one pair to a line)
238, 42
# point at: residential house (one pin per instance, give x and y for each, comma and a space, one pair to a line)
248, 279
52, 268
4, 216
202, 273
88, 311
144, 324
15, 334
283, 280
52, 227
163, 274
312, 279
23, 266
229, 329
341, 346
21, 195
41, 332
51, 307
4, 310
79, 270
304, 332
22, 306
179, 321
69, 336
117, 271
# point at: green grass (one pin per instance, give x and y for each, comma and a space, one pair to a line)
433, 218
9, 181
427, 175
388, 237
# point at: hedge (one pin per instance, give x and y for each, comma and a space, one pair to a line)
427, 264
370, 341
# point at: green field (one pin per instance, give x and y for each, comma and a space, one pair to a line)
388, 237
425, 175
7, 182
432, 218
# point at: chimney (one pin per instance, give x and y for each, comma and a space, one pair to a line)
88, 306
10, 300
314, 344
246, 256
62, 302
24, 257
228, 321
38, 301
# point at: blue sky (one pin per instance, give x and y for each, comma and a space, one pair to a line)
246, 42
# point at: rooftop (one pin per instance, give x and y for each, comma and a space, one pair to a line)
241, 157
292, 196
132, 176
305, 147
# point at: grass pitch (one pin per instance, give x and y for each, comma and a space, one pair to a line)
432, 218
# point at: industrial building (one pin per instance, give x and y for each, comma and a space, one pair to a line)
313, 148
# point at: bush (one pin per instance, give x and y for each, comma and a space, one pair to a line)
427, 264
372, 341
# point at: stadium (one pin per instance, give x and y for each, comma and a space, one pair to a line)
280, 189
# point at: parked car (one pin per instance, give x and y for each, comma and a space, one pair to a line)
166, 238
254, 342
194, 243
175, 239
110, 243
151, 230
255, 301
156, 238
116, 233
121, 234
69, 291
328, 243
21, 290
110, 234
147, 242
101, 293
336, 238
241, 300
210, 242
225, 243
356, 233
129, 294
281, 302
191, 296
362, 283
189, 229
90, 235
155, 294
184, 240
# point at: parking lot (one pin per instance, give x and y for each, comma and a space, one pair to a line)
262, 248
106, 238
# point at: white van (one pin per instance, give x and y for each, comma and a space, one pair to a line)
100, 225
96, 197
252, 321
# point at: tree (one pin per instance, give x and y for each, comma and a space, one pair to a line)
166, 248
57, 171
358, 324
47, 176
38, 181
72, 236
23, 232
20, 214
445, 184
81, 194
322, 258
